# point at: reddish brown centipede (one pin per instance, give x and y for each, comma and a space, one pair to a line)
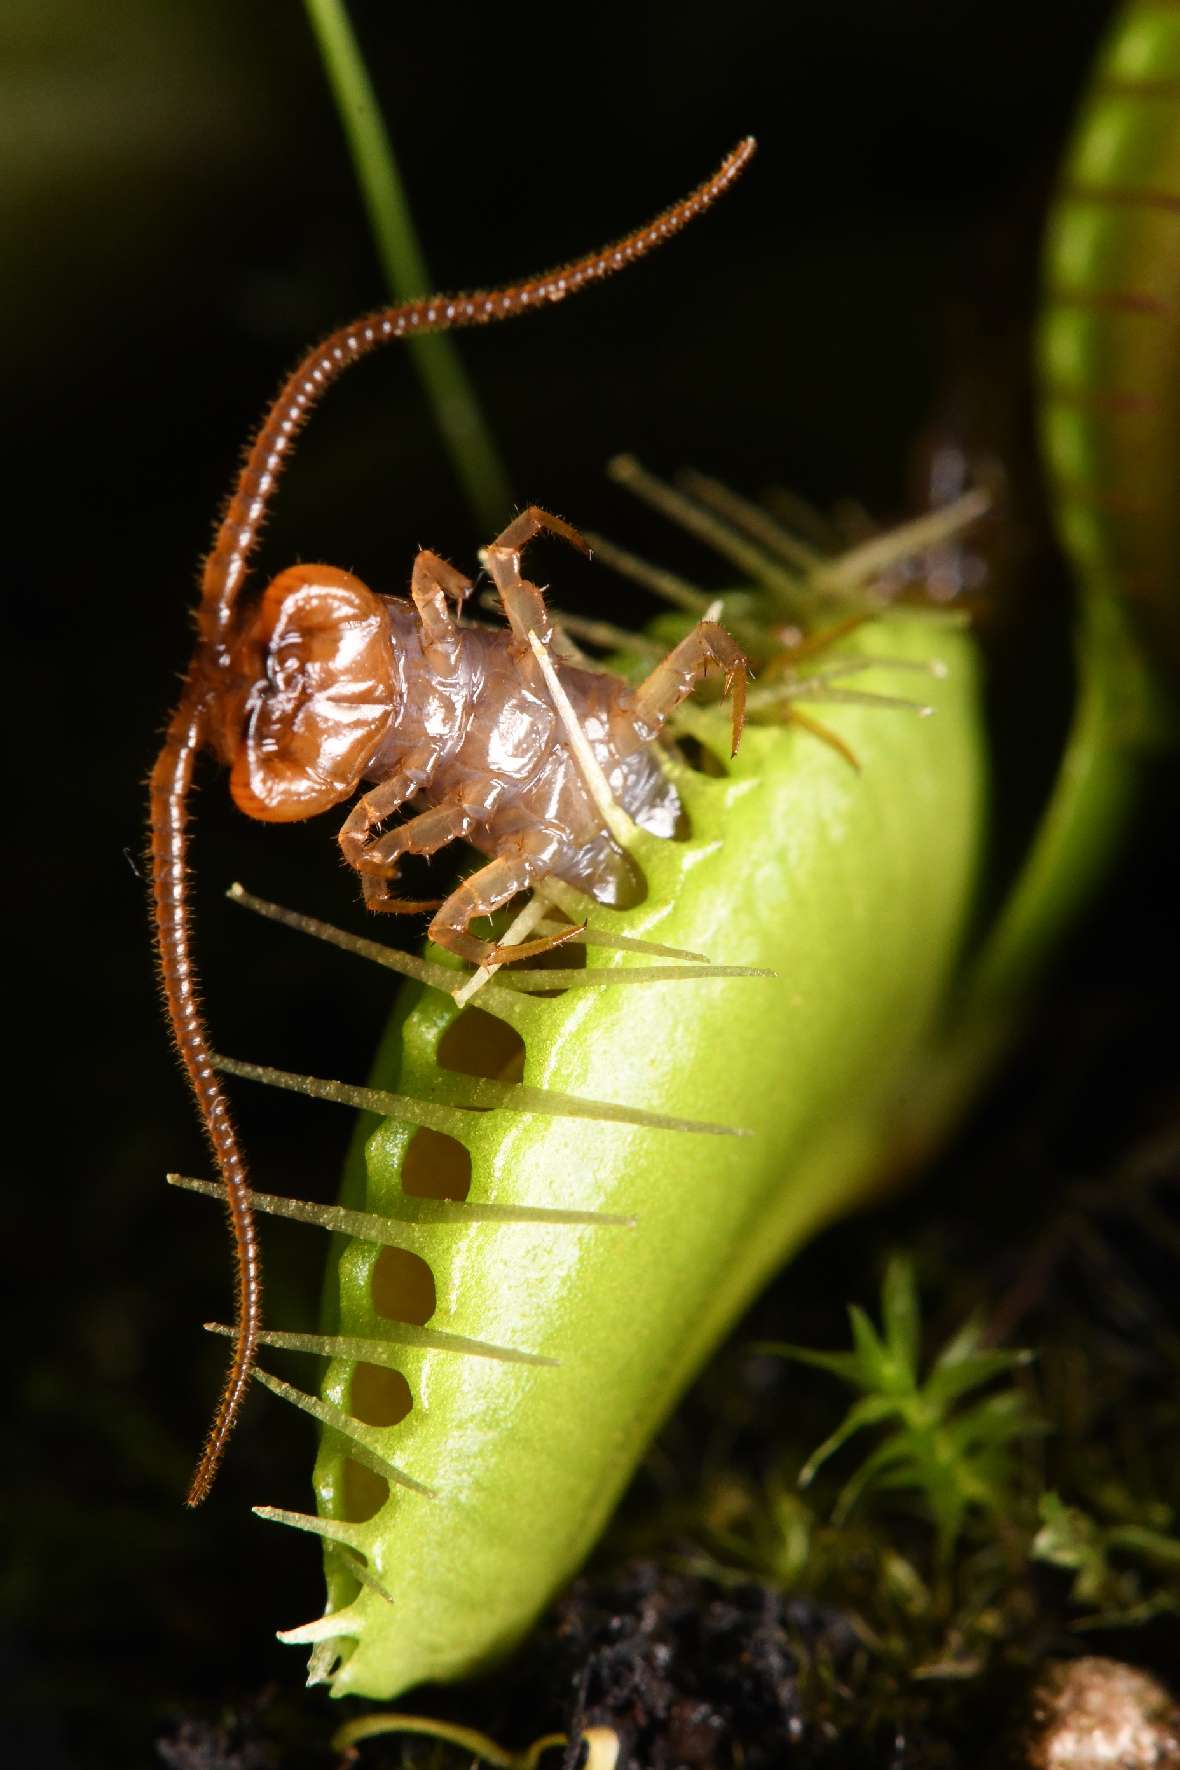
319, 684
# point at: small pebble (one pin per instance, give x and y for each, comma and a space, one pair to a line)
1097, 1714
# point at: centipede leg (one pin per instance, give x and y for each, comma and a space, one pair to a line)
523, 603
674, 679
516, 868
383, 800
424, 834
432, 581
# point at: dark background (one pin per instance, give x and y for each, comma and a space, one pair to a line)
181, 221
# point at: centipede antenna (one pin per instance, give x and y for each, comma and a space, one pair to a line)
676, 590
469, 1094
857, 568
222, 580
621, 827
364, 1440
786, 586
384, 1231
752, 519
384, 1351
237, 535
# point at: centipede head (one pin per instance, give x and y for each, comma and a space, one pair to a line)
309, 691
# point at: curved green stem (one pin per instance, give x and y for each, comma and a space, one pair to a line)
602, 1741
456, 409
1118, 719
377, 1726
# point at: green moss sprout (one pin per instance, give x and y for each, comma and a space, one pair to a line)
953, 1451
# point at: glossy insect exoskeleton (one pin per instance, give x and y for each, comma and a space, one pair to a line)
335, 686
320, 686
